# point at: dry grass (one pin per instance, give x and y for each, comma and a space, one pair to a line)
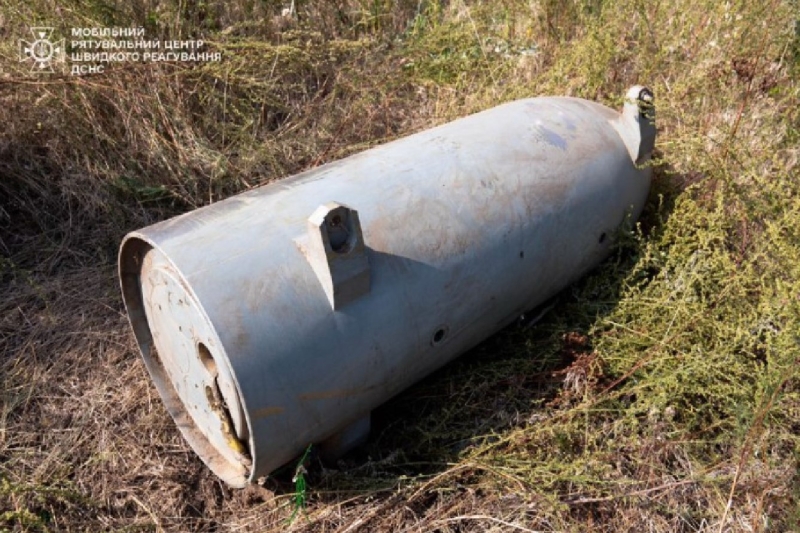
660, 394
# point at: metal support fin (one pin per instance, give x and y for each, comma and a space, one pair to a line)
337, 253
636, 124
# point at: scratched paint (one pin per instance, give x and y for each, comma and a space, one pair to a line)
553, 138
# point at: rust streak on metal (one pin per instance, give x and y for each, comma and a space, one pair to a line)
268, 411
332, 394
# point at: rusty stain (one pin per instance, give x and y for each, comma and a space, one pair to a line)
333, 394
268, 411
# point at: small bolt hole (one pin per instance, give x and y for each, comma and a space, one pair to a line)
438, 336
207, 359
522, 254
602, 238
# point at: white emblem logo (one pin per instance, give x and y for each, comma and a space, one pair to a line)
41, 50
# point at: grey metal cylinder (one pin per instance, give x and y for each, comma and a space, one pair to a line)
282, 316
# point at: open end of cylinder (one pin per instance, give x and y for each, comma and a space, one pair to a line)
183, 356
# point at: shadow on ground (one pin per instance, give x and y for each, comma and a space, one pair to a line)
508, 381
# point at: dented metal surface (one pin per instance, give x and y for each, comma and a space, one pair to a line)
284, 315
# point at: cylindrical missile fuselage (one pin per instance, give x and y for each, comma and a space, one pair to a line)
281, 316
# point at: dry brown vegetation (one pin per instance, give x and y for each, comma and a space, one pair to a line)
660, 394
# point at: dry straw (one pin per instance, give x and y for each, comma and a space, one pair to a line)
659, 394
